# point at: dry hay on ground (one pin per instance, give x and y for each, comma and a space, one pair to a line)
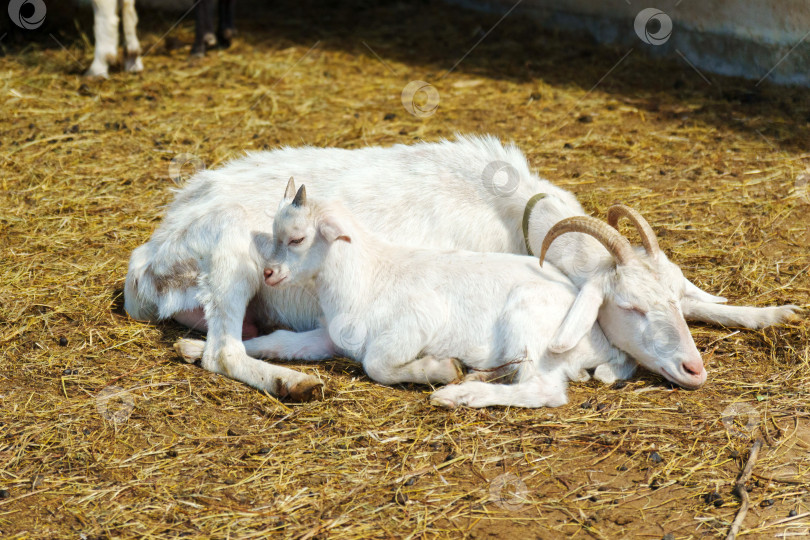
717, 168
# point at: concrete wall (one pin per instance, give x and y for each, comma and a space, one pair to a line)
748, 38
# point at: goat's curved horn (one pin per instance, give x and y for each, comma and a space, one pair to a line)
615, 243
648, 238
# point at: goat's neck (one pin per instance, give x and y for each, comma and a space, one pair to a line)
579, 256
346, 280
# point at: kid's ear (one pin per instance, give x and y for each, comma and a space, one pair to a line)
580, 318
289, 193
331, 230
300, 199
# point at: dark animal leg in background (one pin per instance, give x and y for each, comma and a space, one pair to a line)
204, 37
225, 30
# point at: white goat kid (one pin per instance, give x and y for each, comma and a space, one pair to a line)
203, 265
416, 310
105, 29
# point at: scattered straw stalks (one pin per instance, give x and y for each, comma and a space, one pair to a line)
104, 432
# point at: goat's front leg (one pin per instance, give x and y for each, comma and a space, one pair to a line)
132, 47
227, 288
618, 369
225, 30
741, 316
538, 390
204, 37
105, 30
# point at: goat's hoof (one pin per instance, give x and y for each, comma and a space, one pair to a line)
445, 403
454, 396
93, 73
190, 350
791, 313
201, 46
133, 65
225, 38
310, 389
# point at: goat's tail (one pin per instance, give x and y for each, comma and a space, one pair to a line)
153, 293
139, 295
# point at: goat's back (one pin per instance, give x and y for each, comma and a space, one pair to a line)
440, 195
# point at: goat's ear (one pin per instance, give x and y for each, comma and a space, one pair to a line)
580, 318
289, 193
694, 292
300, 199
331, 230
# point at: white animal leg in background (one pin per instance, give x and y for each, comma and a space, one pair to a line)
228, 285
132, 47
740, 316
105, 29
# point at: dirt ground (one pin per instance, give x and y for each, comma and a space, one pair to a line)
106, 433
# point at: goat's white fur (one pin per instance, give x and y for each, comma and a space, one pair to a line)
209, 251
105, 30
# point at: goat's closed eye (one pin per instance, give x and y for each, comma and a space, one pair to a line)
296, 241
635, 309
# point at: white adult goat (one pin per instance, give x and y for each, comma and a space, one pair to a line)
414, 311
203, 265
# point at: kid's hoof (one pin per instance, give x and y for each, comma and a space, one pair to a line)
310, 389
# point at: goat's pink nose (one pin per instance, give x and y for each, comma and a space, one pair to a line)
693, 367
695, 373
267, 273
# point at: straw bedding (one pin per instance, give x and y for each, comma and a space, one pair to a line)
105, 433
